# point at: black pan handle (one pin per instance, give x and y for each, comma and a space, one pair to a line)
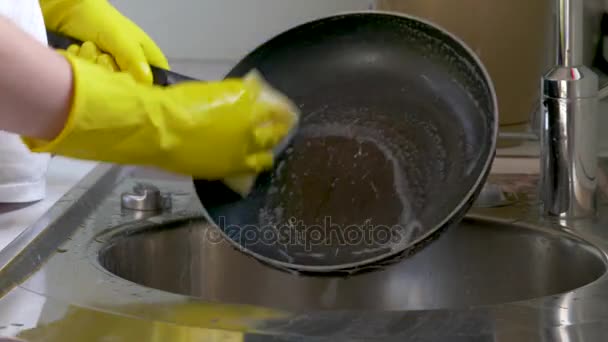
162, 77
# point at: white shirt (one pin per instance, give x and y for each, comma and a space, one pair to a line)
22, 173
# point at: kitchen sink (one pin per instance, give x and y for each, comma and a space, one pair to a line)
478, 263
104, 271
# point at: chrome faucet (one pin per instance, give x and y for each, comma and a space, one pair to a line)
569, 120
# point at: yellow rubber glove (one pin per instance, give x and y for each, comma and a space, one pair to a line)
207, 130
99, 22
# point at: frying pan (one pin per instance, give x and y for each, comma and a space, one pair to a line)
397, 134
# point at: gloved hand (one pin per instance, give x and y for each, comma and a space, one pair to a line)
209, 130
89, 51
99, 22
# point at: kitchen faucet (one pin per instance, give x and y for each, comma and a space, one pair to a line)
569, 120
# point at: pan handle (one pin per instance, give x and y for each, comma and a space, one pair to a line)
161, 76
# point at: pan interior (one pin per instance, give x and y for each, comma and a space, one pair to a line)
397, 128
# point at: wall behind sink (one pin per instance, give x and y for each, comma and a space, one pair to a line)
205, 38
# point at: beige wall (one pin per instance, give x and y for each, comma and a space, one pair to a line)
511, 37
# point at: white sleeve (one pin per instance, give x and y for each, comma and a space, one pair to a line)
22, 173
27, 15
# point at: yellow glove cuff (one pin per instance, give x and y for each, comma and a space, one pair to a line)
84, 73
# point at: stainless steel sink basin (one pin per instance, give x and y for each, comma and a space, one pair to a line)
476, 263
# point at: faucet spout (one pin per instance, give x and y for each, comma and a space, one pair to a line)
570, 33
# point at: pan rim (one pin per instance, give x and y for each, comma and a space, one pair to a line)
458, 209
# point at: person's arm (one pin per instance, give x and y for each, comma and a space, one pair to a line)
67, 105
35, 85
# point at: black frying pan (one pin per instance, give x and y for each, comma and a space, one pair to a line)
397, 136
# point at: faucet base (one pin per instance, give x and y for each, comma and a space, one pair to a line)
568, 142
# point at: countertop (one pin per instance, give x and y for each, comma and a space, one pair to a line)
63, 174
70, 296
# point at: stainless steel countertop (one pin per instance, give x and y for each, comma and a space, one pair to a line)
55, 263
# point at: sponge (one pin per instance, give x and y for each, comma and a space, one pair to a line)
243, 185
